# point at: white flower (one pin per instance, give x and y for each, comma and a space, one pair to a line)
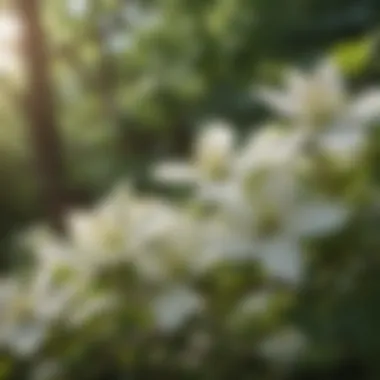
176, 173
214, 149
56, 257
278, 243
48, 299
282, 258
213, 155
309, 98
269, 148
280, 213
343, 143
310, 219
20, 328
153, 221
102, 234
318, 103
220, 242
365, 109
319, 217
174, 307
347, 136
26, 339
97, 233
167, 240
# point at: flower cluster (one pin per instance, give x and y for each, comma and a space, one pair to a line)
254, 206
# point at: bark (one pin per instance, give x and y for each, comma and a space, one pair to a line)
41, 116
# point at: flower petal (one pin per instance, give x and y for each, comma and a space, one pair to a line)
214, 149
318, 218
296, 83
366, 109
282, 258
279, 102
173, 308
26, 339
329, 76
176, 173
343, 142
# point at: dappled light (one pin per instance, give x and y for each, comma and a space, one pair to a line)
189, 190
10, 39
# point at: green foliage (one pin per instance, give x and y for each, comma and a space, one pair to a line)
354, 56
146, 286
131, 83
172, 63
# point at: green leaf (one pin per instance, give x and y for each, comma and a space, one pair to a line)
354, 56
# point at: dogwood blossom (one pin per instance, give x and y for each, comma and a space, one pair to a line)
174, 307
320, 104
213, 153
28, 311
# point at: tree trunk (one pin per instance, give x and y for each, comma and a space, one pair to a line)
41, 116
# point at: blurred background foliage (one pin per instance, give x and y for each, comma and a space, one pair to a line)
132, 79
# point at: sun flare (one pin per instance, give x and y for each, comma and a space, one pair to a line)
10, 35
